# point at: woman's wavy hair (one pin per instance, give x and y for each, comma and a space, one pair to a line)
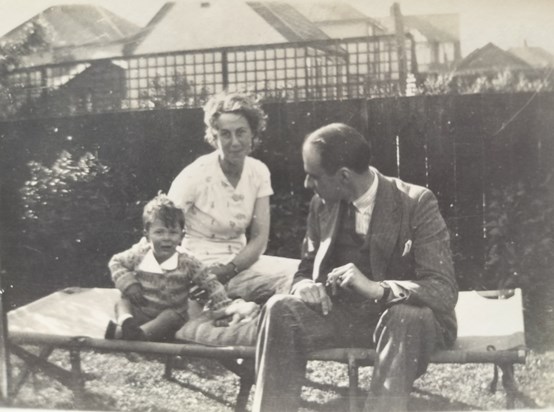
237, 103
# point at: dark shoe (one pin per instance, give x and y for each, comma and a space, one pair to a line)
110, 330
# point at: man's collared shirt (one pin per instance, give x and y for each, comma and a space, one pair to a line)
364, 206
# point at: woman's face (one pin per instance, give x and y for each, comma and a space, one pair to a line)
234, 138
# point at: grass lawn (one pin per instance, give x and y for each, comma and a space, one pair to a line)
135, 383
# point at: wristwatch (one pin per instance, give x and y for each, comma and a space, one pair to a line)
234, 267
386, 293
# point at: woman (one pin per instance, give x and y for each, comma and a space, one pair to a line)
225, 195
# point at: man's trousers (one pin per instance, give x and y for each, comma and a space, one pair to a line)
404, 337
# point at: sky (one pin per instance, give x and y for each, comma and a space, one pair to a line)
506, 23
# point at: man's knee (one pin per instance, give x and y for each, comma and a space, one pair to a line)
278, 304
408, 315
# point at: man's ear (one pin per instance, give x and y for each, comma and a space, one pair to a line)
145, 233
345, 174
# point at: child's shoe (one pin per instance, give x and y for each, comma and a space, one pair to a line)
110, 330
130, 330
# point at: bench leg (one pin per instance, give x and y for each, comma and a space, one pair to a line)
512, 391
246, 383
509, 384
352, 384
27, 368
245, 371
168, 367
78, 381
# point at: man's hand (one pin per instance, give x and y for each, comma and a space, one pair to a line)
349, 277
135, 295
314, 294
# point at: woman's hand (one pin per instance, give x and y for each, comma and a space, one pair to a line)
224, 273
239, 311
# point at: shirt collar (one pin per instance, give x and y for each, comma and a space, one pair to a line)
150, 263
367, 199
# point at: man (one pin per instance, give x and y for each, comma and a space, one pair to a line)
376, 271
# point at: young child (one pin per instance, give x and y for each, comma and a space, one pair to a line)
155, 280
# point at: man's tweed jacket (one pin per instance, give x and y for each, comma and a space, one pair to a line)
409, 245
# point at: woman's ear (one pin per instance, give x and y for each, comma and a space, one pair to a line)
145, 233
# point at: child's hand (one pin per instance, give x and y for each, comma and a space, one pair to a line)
135, 295
241, 311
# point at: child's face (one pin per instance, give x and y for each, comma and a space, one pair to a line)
164, 239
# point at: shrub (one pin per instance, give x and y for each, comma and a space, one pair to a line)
73, 219
520, 250
288, 224
502, 82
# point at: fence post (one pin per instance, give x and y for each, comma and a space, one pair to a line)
400, 46
224, 70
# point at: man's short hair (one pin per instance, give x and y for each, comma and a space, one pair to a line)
340, 145
161, 207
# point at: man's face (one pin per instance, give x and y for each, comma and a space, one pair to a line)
328, 187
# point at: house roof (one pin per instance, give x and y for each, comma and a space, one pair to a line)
73, 53
490, 58
75, 25
324, 12
204, 24
434, 27
293, 25
535, 56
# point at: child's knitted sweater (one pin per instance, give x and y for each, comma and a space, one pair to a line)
164, 285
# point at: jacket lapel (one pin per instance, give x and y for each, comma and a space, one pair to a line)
384, 227
329, 217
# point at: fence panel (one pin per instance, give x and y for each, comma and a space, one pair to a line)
449, 143
382, 132
412, 141
441, 169
545, 131
469, 157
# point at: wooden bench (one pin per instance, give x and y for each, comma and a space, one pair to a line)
490, 331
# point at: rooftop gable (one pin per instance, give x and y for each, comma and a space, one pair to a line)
288, 21
319, 12
76, 25
490, 58
207, 24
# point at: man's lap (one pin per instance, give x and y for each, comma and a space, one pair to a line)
339, 328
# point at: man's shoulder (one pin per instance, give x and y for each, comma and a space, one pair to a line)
407, 190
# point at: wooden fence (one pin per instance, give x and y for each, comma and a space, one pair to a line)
462, 147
